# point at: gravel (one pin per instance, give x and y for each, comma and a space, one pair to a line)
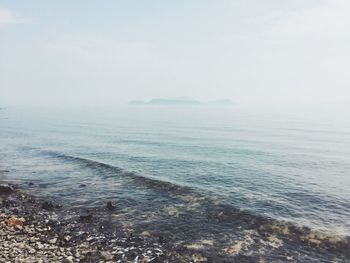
35, 231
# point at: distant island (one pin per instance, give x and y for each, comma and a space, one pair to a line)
180, 101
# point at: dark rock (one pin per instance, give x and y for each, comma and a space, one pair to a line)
83, 236
161, 239
47, 205
7, 203
244, 259
5, 189
82, 185
30, 183
110, 206
52, 223
31, 200
85, 218
91, 257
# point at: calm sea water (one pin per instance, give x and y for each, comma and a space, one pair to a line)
171, 168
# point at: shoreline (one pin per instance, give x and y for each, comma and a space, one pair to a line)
35, 230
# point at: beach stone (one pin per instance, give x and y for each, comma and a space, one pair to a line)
19, 227
53, 241
15, 221
39, 245
106, 255
67, 238
5, 189
69, 259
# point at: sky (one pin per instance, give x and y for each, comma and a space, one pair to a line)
110, 52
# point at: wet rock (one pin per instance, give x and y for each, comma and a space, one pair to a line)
31, 200
82, 185
85, 218
52, 222
5, 189
6, 203
91, 257
47, 205
110, 206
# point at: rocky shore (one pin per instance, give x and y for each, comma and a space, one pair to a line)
36, 230
33, 230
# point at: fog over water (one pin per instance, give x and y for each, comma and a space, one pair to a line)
252, 52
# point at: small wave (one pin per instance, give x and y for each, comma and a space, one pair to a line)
217, 217
112, 171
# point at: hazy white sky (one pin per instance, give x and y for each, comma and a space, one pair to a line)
110, 52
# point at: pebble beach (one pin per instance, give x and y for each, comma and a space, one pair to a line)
33, 230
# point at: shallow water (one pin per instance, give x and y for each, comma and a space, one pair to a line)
203, 174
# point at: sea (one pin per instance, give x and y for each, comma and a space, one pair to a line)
224, 179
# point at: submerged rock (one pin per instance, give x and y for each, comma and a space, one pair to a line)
58, 206
5, 189
110, 206
47, 205
7, 203
85, 218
